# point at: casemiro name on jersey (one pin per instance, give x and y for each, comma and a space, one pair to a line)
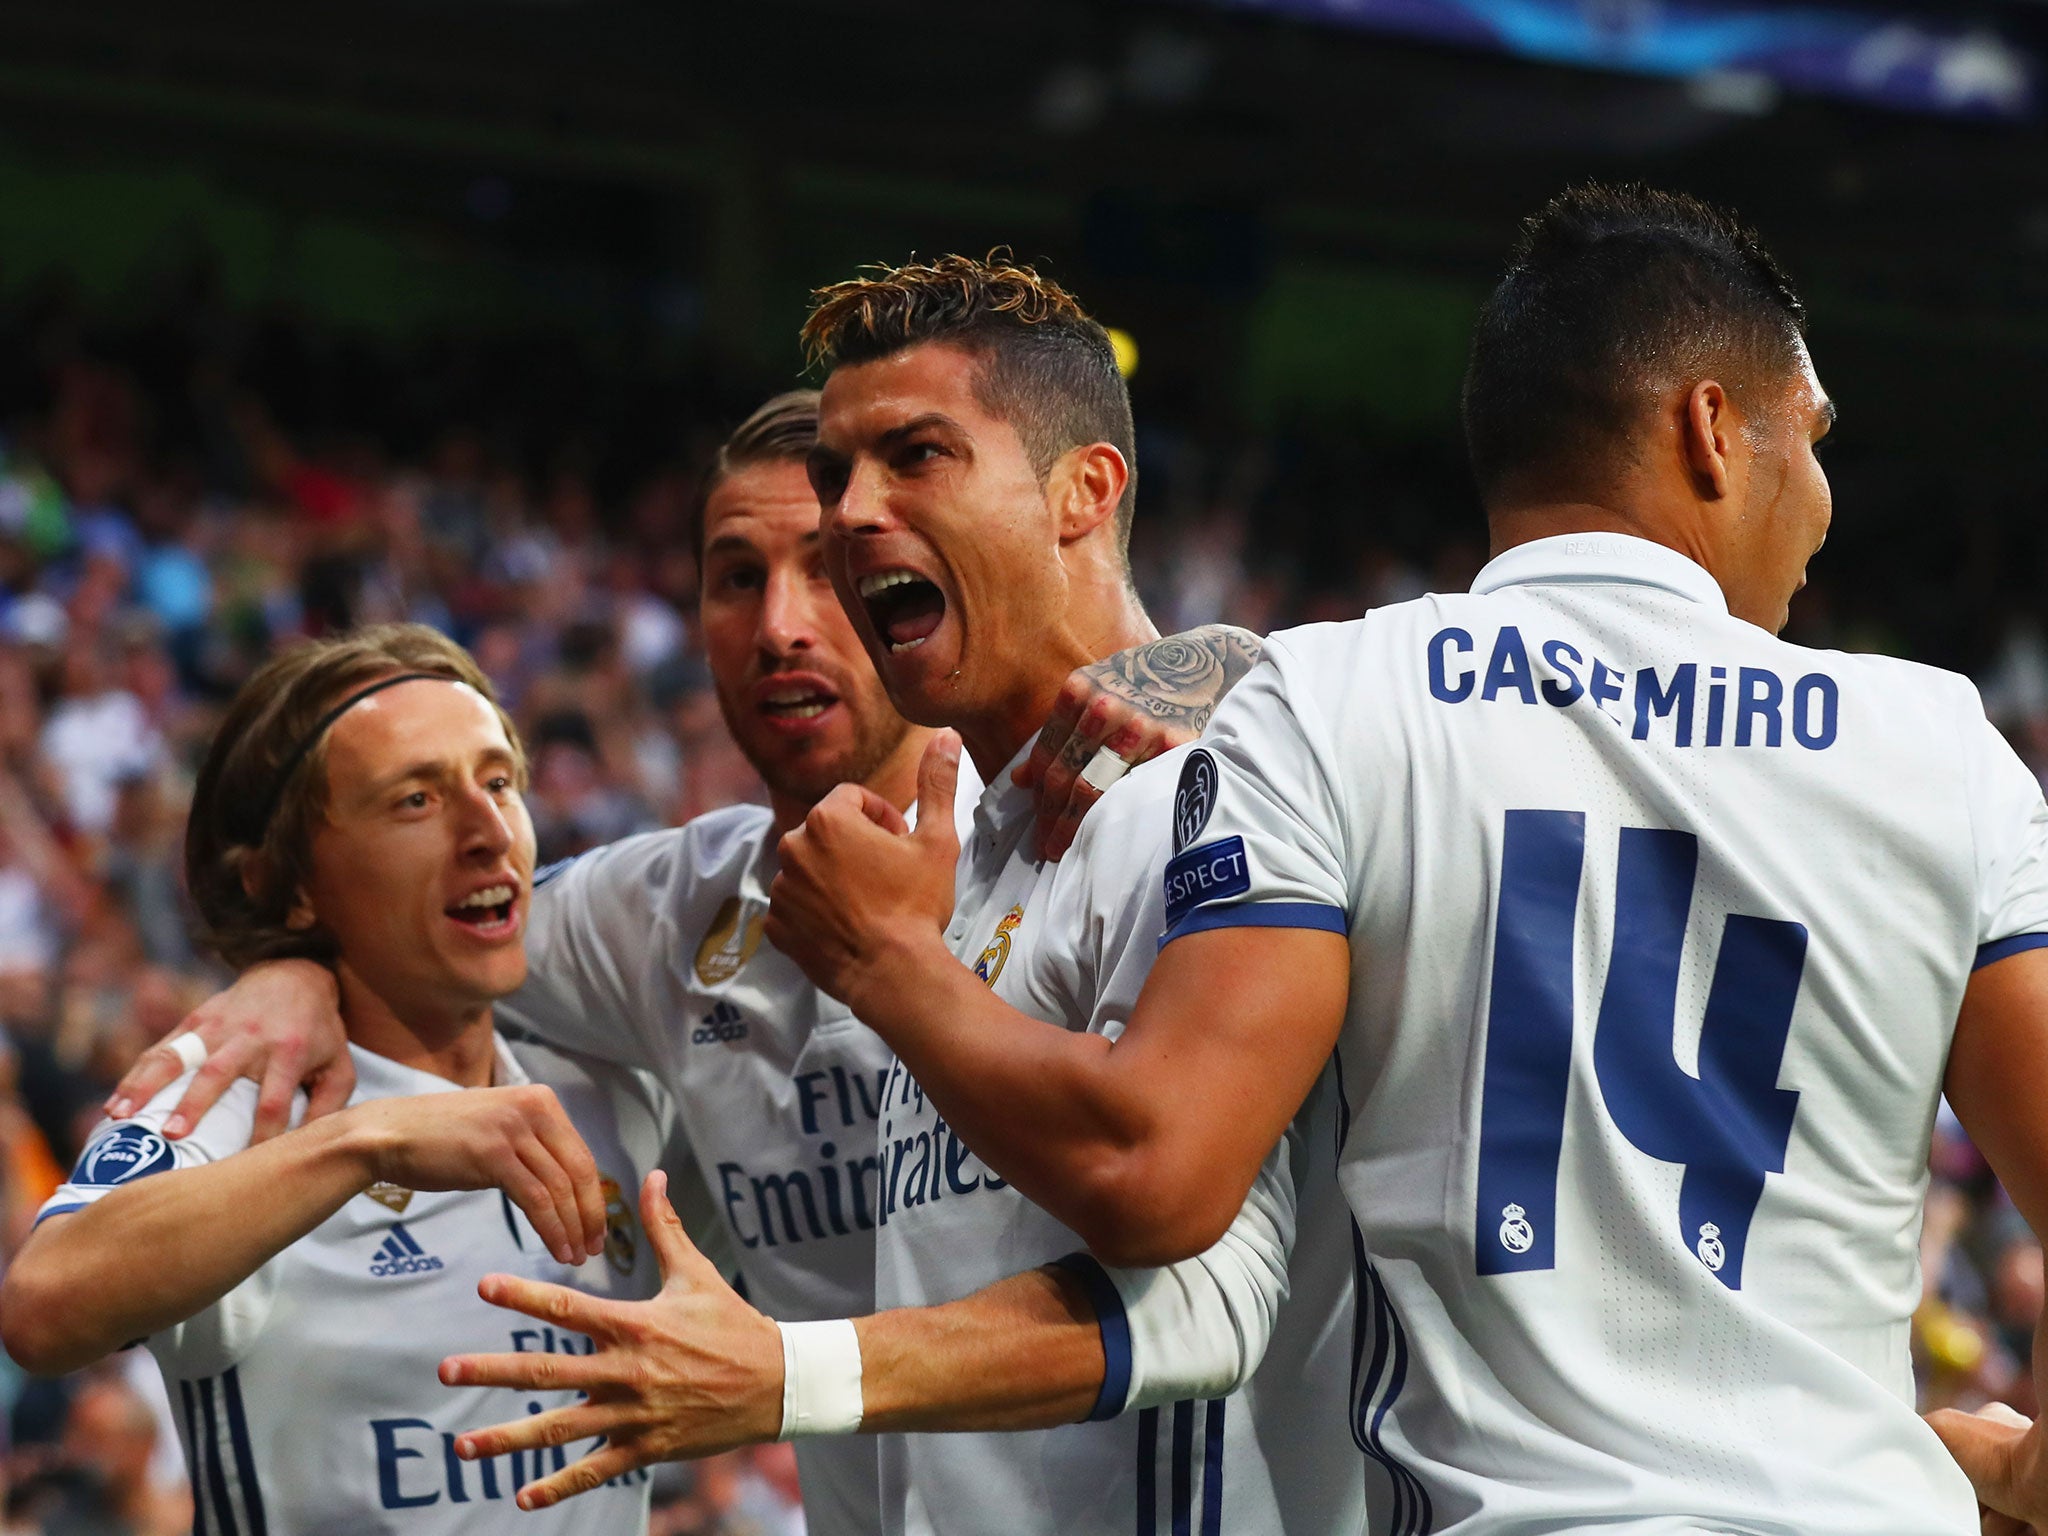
1739, 706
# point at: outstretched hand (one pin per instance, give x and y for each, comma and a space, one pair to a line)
859, 891
692, 1372
2006, 1459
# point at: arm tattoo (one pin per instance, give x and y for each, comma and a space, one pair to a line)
1181, 679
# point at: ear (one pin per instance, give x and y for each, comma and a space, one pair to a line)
1708, 433
1085, 487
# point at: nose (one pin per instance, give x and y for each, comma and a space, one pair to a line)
484, 831
789, 614
862, 507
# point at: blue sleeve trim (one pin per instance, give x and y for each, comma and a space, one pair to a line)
1116, 1333
1266, 914
60, 1210
1998, 949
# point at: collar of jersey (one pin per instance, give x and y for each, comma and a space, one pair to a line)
1601, 559
1003, 805
379, 1077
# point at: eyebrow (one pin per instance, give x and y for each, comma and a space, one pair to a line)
918, 424
731, 543
1828, 416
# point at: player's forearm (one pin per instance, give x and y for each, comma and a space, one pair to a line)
1039, 1104
1025, 1353
168, 1246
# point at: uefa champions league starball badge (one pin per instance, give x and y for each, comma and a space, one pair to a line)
1516, 1235
1711, 1253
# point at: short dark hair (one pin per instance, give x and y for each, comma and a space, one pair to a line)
1047, 368
251, 767
782, 430
1612, 293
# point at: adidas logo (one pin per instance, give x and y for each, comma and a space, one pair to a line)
402, 1255
721, 1023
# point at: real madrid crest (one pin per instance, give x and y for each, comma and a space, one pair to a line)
621, 1239
1516, 1235
735, 935
1711, 1252
997, 955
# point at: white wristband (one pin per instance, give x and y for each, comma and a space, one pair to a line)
820, 1379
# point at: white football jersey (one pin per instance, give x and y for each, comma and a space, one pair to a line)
1659, 926
1071, 943
307, 1398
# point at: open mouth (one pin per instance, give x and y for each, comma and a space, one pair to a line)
903, 607
486, 910
799, 701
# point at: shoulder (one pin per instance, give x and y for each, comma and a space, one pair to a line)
119, 1151
710, 852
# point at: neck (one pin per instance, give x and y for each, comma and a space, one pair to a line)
895, 780
1526, 523
456, 1043
1088, 633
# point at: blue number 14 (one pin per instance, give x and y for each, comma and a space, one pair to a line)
1728, 1127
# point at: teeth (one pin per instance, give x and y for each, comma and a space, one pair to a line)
868, 586
898, 647
489, 896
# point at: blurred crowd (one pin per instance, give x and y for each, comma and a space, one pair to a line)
180, 497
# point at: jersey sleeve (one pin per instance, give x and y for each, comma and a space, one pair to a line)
1257, 835
2009, 818
123, 1152
597, 929
1200, 1327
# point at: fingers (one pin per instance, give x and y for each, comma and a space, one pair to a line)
1983, 1446
548, 1196
593, 1471
878, 810
154, 1071
559, 1426
1067, 796
569, 1152
280, 1082
236, 1058
673, 1250
938, 782
331, 1089
527, 1371
1066, 713
550, 1304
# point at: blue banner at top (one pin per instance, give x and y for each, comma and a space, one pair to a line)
1909, 64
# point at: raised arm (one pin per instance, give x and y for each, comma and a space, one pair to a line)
76, 1291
